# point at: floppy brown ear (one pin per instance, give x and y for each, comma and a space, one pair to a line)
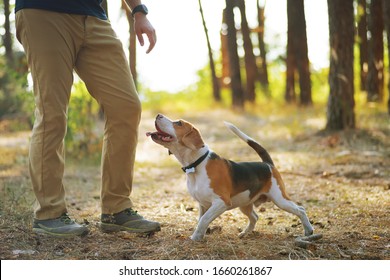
193, 139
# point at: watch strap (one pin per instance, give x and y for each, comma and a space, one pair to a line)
139, 9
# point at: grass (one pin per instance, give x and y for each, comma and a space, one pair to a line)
342, 179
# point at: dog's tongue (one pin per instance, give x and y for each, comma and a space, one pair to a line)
160, 135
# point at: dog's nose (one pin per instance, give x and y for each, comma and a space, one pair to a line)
159, 116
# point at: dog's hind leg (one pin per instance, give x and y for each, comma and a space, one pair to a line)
202, 210
277, 197
252, 216
217, 208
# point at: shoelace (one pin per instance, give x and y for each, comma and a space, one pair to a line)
131, 212
65, 219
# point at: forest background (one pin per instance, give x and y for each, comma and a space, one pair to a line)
319, 106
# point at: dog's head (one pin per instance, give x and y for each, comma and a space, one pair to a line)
176, 136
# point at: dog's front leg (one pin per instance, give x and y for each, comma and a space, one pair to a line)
217, 208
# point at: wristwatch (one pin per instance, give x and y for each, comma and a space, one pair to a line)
140, 9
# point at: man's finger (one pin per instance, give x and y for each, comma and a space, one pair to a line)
152, 41
140, 38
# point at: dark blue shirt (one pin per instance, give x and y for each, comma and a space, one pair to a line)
79, 7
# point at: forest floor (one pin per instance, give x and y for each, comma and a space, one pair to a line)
341, 178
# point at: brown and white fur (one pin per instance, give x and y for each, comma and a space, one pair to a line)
219, 184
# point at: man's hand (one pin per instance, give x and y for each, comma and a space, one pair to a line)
143, 26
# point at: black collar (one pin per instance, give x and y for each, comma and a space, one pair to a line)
191, 168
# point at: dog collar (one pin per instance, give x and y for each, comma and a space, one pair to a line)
191, 168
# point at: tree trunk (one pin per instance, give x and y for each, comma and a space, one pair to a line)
290, 94
263, 71
250, 59
362, 41
375, 52
340, 111
303, 59
297, 53
224, 52
216, 87
234, 61
7, 38
386, 17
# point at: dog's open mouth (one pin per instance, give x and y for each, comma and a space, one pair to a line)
160, 135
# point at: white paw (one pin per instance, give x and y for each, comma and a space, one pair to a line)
196, 237
309, 231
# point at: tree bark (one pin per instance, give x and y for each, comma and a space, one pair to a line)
362, 41
386, 18
7, 38
234, 61
297, 53
303, 58
224, 52
340, 111
250, 59
263, 71
290, 94
375, 52
214, 78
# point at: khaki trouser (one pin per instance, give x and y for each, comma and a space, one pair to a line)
55, 45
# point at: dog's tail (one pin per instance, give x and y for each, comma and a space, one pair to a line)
252, 143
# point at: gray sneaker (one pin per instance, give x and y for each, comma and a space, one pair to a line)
62, 227
127, 220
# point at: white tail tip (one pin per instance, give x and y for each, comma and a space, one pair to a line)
238, 132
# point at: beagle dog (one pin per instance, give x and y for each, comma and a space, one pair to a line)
219, 184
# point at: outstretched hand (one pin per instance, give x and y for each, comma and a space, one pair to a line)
143, 26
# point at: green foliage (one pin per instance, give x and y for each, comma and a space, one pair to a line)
199, 96
83, 138
320, 86
15, 99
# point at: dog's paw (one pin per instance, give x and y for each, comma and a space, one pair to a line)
245, 234
196, 237
309, 231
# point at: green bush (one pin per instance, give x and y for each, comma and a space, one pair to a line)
15, 99
83, 138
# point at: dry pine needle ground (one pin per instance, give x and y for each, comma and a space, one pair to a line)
342, 179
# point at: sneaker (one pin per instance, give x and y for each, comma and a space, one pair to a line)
127, 220
61, 227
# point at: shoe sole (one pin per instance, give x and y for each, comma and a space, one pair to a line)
43, 232
109, 228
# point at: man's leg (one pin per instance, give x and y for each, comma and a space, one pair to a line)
103, 66
51, 50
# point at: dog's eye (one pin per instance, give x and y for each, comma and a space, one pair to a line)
179, 123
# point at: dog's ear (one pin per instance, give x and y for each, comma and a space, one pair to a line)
193, 139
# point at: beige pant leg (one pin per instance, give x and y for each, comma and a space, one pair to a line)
50, 41
102, 65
